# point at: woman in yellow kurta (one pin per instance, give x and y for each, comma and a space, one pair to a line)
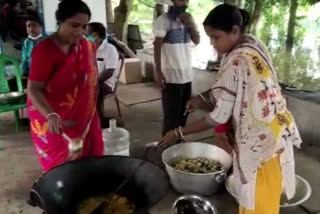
248, 97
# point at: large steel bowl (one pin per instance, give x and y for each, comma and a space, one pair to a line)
193, 204
303, 192
191, 183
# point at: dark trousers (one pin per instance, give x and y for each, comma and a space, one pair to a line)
104, 90
174, 101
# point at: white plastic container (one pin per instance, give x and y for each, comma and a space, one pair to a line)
116, 140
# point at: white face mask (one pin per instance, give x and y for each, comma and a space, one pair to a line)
35, 38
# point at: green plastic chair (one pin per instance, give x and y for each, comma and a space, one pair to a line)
4, 87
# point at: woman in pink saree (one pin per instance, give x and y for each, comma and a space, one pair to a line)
62, 89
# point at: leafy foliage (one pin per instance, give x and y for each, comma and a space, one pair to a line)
272, 29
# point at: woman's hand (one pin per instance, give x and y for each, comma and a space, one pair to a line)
170, 138
186, 19
161, 80
54, 123
194, 103
35, 93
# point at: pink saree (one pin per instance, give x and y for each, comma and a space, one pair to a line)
71, 90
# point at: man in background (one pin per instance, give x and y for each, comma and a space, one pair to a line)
108, 64
35, 34
174, 32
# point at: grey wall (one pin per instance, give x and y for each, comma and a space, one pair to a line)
307, 115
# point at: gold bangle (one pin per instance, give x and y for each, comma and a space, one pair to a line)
176, 132
181, 133
202, 97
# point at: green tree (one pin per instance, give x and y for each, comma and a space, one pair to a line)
233, 2
292, 62
158, 11
271, 21
143, 14
290, 37
121, 14
255, 12
109, 11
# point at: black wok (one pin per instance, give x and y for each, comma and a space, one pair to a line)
60, 190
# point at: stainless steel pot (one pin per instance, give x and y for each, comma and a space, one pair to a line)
191, 183
303, 192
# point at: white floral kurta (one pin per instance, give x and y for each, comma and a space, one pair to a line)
248, 94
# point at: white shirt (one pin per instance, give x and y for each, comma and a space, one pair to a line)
176, 59
108, 58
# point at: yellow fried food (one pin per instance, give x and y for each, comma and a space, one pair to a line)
111, 204
90, 204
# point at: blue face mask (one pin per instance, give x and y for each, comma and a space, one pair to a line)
174, 11
91, 38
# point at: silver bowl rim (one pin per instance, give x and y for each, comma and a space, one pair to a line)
224, 170
305, 198
15, 93
193, 196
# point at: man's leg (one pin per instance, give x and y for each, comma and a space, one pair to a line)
104, 90
170, 100
175, 98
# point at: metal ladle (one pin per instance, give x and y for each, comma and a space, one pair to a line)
74, 145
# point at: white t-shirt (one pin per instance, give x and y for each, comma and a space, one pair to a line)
108, 58
176, 59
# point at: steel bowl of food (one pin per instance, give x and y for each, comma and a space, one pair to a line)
196, 168
193, 204
16, 97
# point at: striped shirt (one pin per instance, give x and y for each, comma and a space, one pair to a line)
176, 59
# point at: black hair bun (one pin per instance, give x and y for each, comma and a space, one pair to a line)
225, 16
245, 17
68, 8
